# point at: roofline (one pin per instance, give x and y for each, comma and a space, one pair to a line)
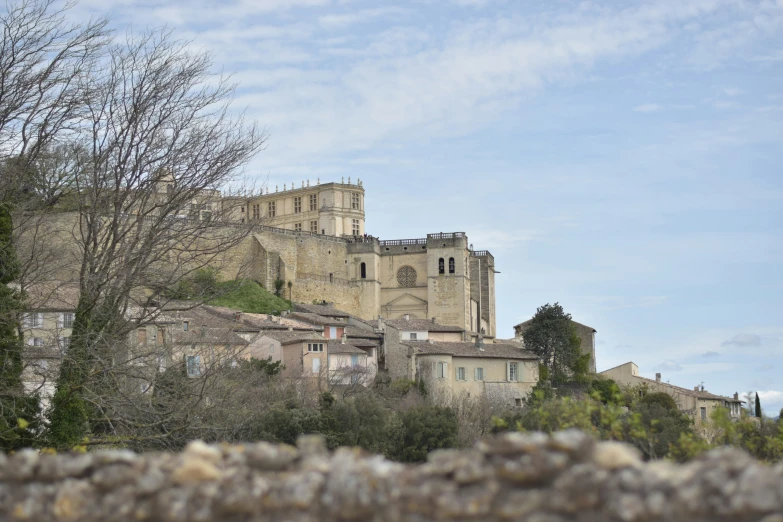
613, 367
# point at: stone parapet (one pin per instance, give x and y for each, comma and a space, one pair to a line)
528, 477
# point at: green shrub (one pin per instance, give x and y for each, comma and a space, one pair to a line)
424, 429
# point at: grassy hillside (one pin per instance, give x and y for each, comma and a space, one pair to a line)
248, 296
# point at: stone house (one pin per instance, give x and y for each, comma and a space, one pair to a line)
586, 335
696, 402
502, 372
348, 364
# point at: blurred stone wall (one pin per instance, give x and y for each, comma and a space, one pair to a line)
530, 477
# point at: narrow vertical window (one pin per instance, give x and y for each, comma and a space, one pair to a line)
451, 265
314, 227
441, 266
271, 209
297, 205
355, 226
313, 202
364, 270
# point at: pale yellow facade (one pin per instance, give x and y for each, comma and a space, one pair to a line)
697, 402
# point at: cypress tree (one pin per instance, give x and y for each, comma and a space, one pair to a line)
758, 406
18, 419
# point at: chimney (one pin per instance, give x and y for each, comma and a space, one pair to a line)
736, 396
407, 317
657, 377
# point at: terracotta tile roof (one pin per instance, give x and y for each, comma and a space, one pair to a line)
418, 324
319, 309
464, 349
286, 337
199, 335
315, 319
336, 346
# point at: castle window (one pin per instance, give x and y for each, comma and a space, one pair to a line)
451, 265
355, 201
313, 202
297, 204
364, 270
314, 227
441, 266
355, 225
298, 227
271, 210
406, 277
256, 211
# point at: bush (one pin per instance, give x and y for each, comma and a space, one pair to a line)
664, 400
424, 429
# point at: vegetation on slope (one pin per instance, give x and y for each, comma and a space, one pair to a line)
248, 296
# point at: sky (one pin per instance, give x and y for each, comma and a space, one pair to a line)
620, 158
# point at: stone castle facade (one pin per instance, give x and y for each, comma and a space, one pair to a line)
313, 237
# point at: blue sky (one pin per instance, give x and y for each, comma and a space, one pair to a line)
622, 158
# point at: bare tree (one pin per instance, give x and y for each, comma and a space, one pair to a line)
156, 146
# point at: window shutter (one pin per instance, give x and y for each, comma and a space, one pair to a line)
60, 320
475, 374
508, 371
445, 369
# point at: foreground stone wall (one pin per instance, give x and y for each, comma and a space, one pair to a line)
566, 477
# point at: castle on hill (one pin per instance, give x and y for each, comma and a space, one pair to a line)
313, 237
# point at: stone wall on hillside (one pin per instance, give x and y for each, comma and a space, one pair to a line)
531, 477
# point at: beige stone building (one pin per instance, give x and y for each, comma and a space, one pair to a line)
696, 402
504, 373
333, 209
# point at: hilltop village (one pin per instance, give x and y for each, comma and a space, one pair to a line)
364, 310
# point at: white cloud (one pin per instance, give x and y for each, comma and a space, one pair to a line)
341, 21
668, 366
743, 340
648, 107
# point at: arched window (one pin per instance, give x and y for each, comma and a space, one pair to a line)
441, 267
451, 265
364, 270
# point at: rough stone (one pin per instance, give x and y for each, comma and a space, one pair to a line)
529, 477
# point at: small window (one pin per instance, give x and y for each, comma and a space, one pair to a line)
703, 413
256, 211
38, 341
313, 202
298, 227
185, 326
518, 403
461, 374
355, 201
193, 365
297, 205
414, 336
451, 265
363, 269
66, 320
441, 370
441, 266
315, 347
355, 226
314, 227
478, 374
354, 360
271, 209
513, 372
34, 320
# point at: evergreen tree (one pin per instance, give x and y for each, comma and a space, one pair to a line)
552, 336
758, 406
18, 412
